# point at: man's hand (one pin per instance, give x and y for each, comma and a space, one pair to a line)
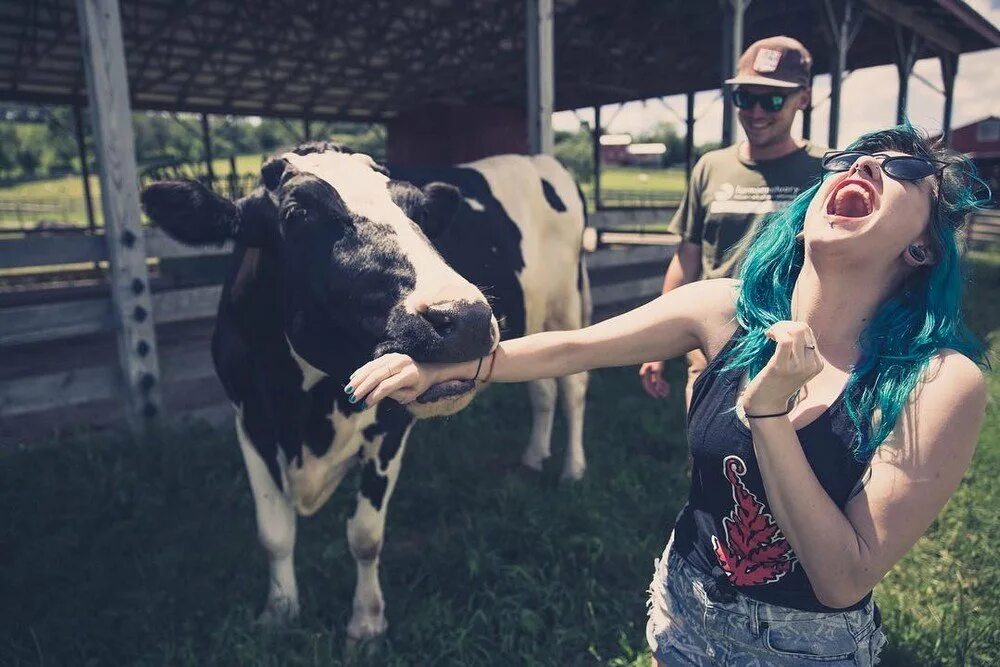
651, 374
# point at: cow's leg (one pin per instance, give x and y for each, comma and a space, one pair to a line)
276, 532
573, 390
543, 407
572, 309
366, 530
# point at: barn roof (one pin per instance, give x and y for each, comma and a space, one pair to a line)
371, 60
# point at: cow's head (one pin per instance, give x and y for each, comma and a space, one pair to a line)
359, 276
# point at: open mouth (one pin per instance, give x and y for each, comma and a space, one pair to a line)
851, 198
448, 389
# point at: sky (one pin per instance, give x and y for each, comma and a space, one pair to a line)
868, 99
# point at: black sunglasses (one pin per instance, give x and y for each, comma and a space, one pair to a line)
899, 167
767, 101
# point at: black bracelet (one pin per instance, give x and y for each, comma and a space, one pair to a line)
776, 414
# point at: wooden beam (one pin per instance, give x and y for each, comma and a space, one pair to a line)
807, 114
843, 28
81, 147
901, 13
596, 139
689, 121
732, 48
541, 79
206, 142
949, 70
907, 49
111, 119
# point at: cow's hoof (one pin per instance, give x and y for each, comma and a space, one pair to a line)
532, 461
278, 614
361, 633
573, 473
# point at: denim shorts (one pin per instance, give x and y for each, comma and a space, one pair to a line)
690, 623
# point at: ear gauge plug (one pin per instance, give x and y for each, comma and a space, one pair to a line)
916, 253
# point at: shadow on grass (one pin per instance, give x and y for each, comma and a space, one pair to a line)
114, 553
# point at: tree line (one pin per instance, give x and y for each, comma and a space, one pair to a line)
40, 141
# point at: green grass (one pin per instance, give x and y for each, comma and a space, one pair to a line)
635, 178
66, 193
115, 553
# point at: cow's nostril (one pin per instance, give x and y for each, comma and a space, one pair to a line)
443, 320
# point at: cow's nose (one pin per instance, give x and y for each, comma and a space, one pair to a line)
465, 329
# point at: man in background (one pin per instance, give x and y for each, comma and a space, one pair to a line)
732, 189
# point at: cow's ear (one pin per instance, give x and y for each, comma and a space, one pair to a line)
276, 171
190, 212
258, 220
441, 202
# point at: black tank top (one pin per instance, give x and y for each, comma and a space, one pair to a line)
726, 529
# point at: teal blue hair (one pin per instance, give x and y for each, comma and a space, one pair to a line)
908, 328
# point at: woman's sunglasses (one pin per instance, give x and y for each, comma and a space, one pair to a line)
899, 167
767, 101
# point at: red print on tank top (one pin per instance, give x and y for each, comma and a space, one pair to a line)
755, 551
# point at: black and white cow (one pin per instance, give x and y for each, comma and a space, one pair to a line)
334, 264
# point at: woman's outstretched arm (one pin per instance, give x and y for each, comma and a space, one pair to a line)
664, 328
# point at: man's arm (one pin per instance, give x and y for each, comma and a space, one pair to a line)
684, 268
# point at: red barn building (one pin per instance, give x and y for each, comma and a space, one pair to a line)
981, 142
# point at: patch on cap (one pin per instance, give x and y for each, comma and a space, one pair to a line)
767, 60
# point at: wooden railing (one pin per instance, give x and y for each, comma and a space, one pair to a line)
60, 354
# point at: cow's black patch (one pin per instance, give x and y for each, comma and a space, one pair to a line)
318, 430
391, 421
373, 484
484, 246
551, 197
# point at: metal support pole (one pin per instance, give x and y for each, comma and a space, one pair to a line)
111, 120
540, 75
732, 48
807, 114
949, 70
689, 138
206, 139
843, 30
307, 129
596, 136
907, 48
81, 146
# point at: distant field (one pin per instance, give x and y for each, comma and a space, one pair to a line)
62, 198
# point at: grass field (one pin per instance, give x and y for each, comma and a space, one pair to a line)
115, 553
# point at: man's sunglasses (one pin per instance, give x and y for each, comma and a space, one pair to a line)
767, 101
899, 167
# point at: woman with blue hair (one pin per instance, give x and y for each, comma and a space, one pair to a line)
838, 413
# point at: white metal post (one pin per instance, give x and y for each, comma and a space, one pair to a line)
111, 118
541, 78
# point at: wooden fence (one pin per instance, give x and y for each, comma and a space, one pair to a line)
60, 366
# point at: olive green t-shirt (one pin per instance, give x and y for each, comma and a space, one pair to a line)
728, 195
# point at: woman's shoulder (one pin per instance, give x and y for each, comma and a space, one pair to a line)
717, 298
940, 423
951, 373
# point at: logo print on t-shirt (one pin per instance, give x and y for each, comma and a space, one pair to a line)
755, 551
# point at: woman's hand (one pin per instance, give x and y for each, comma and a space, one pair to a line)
395, 376
793, 363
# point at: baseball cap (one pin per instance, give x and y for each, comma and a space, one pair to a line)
774, 61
